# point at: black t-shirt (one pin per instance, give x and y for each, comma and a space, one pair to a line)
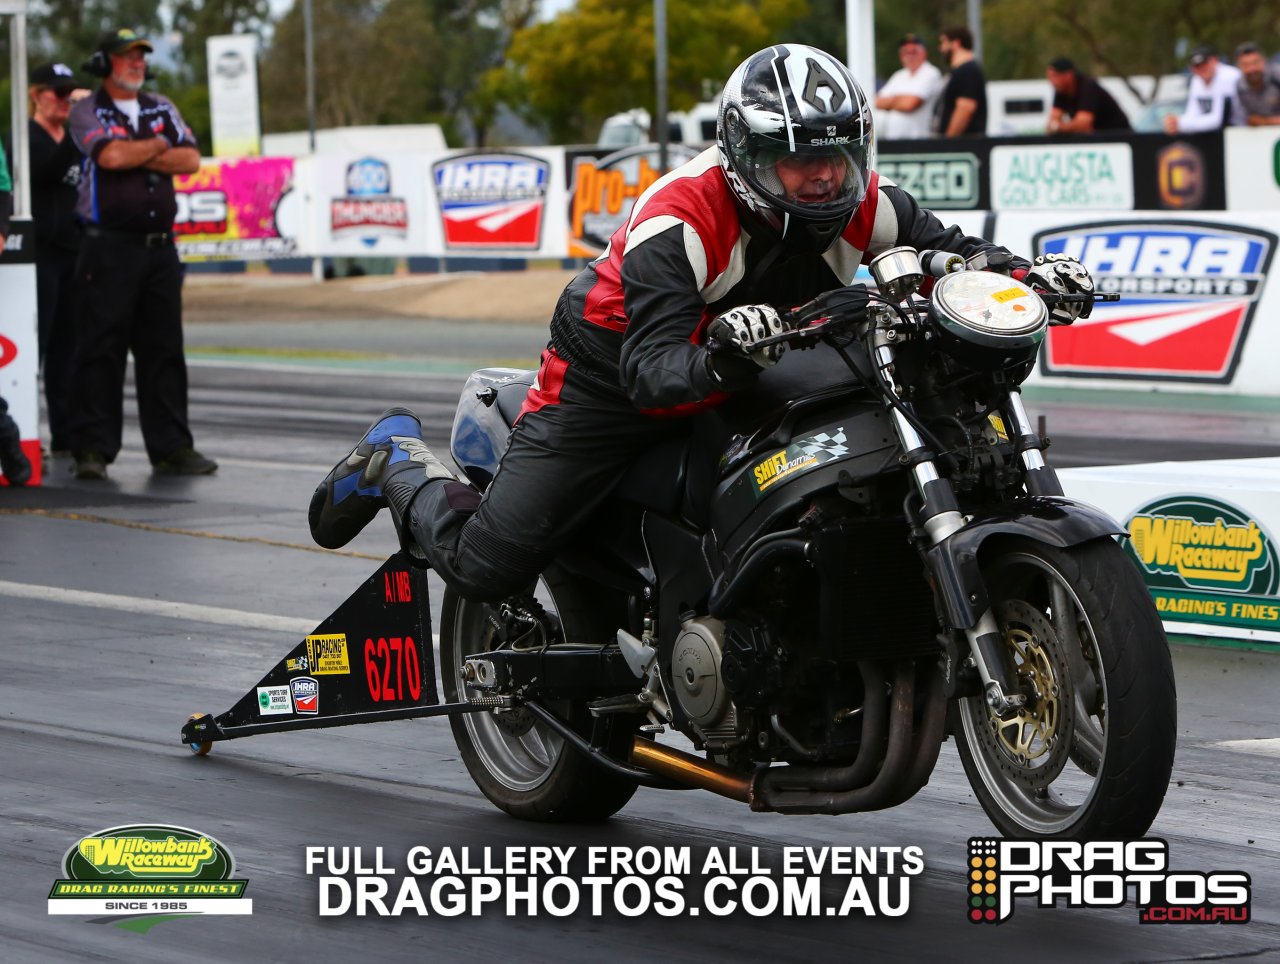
967, 80
55, 172
1093, 97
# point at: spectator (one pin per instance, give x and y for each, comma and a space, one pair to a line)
909, 97
1081, 105
1258, 90
1211, 97
14, 464
128, 277
13, 461
55, 172
964, 99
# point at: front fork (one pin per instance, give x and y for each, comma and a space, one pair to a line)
940, 517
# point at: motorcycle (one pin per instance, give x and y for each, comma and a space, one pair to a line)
823, 582
816, 585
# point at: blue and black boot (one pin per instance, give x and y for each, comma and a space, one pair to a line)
388, 466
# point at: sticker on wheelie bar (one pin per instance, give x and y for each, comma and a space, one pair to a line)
373, 653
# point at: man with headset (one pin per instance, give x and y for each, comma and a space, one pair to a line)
128, 277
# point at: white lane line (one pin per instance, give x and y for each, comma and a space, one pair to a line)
1259, 747
188, 612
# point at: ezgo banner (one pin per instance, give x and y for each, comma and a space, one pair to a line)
148, 869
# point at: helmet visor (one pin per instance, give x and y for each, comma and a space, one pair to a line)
810, 181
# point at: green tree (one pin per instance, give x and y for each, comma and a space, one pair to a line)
597, 59
397, 62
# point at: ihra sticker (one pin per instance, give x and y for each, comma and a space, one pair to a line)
1207, 562
148, 869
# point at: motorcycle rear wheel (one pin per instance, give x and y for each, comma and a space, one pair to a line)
521, 765
1090, 755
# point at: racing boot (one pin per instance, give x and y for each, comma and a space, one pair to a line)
388, 466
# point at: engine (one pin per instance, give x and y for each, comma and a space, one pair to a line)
698, 682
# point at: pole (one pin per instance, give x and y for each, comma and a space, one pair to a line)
309, 43
19, 164
660, 77
860, 38
974, 11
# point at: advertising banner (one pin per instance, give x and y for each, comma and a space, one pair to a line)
1178, 175
1252, 156
1203, 535
1194, 297
18, 347
604, 186
1041, 176
370, 205
233, 95
936, 174
246, 209
499, 203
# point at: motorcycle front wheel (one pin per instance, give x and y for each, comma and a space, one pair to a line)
1090, 754
520, 764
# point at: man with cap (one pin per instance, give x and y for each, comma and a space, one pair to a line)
907, 99
1211, 97
128, 278
1081, 105
55, 172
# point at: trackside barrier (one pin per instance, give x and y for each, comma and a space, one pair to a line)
1203, 535
18, 344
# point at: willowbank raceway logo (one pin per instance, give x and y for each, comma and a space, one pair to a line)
1206, 562
1103, 873
148, 869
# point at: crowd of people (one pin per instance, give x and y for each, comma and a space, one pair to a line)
919, 101
108, 277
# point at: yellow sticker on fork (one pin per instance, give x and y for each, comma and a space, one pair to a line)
997, 423
1008, 294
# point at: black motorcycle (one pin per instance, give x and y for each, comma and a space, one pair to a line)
831, 574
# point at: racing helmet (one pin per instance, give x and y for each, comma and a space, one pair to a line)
798, 107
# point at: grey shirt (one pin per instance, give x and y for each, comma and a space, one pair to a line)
1265, 102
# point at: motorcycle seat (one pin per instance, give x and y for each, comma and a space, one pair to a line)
511, 395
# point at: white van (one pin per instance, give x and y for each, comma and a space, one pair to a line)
1021, 107
694, 126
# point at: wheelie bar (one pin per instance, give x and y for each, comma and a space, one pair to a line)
205, 729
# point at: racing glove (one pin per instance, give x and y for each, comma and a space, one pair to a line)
1064, 275
739, 329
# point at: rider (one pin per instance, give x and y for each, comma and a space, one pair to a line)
784, 207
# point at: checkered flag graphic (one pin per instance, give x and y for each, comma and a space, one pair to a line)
824, 443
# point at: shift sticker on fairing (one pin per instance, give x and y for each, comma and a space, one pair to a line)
800, 456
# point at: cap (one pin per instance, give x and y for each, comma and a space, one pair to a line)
1201, 54
54, 76
118, 41
1062, 64
912, 38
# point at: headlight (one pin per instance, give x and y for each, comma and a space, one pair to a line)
988, 321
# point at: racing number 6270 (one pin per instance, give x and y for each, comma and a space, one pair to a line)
392, 669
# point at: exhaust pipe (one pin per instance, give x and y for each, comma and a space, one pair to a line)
688, 769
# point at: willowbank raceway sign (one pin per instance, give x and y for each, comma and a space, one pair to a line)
1206, 561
